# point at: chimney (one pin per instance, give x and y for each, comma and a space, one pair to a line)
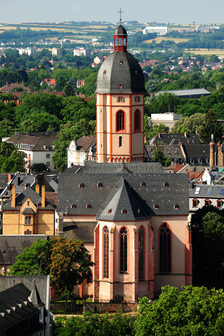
220, 155
13, 196
9, 177
37, 188
211, 151
43, 196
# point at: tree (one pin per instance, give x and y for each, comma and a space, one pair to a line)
95, 325
70, 264
209, 127
11, 160
159, 156
67, 262
158, 128
191, 124
190, 311
207, 226
69, 132
39, 168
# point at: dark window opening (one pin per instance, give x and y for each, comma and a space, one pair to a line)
141, 254
137, 120
123, 250
165, 248
120, 141
120, 121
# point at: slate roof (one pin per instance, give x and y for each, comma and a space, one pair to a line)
120, 73
172, 151
116, 168
16, 308
11, 246
190, 93
124, 203
85, 142
79, 230
27, 193
207, 191
196, 150
3, 180
37, 142
30, 282
120, 30
84, 193
174, 138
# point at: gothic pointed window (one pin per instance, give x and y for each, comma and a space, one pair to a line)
123, 250
106, 253
165, 248
141, 254
137, 121
120, 121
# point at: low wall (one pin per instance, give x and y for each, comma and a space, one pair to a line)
92, 307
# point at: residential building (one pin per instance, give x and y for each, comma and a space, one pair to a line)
168, 118
84, 149
81, 52
28, 213
38, 147
56, 52
158, 30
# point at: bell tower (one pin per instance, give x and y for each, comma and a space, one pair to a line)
120, 105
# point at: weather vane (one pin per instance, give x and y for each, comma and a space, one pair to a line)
120, 11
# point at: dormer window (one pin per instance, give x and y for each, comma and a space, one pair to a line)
143, 184
109, 211
166, 184
73, 206
124, 211
81, 185
88, 206
157, 206
99, 185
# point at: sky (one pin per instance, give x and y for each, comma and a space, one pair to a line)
161, 11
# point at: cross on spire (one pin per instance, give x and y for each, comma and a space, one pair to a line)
120, 11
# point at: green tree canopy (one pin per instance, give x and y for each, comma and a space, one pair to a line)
159, 156
191, 311
67, 261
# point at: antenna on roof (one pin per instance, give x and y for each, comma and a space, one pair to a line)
120, 11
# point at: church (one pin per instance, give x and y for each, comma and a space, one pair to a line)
131, 214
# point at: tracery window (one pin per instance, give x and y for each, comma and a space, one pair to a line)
106, 252
141, 253
123, 250
120, 121
165, 248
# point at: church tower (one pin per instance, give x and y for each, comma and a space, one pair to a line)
120, 105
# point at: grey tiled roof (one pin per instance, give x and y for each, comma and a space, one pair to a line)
124, 203
86, 193
79, 230
120, 73
13, 245
116, 168
27, 193
172, 151
34, 141
187, 92
174, 138
204, 190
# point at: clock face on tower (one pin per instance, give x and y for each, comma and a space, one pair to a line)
120, 105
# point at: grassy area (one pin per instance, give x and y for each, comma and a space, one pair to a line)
218, 52
174, 39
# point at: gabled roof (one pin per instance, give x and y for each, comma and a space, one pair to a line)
124, 203
85, 142
27, 193
174, 138
33, 141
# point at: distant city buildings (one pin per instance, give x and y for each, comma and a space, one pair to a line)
81, 52
158, 30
